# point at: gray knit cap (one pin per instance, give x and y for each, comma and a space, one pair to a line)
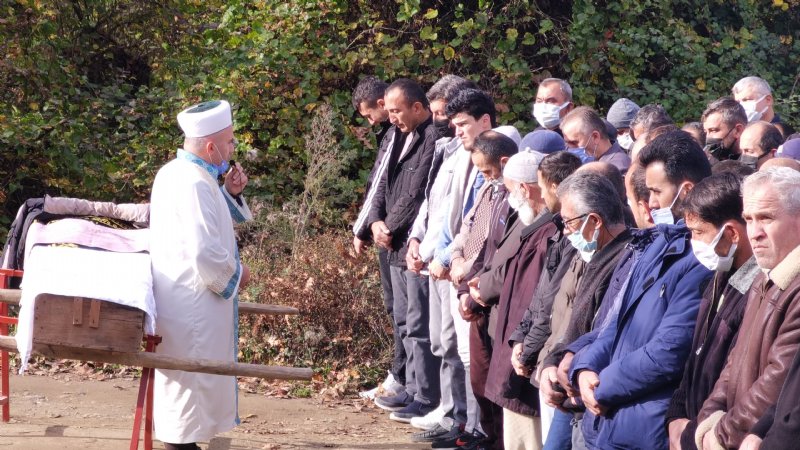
622, 113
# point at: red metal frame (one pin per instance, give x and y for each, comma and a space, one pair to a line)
144, 402
5, 321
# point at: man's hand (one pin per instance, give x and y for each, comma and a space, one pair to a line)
588, 382
359, 245
518, 366
245, 280
438, 271
235, 180
474, 291
547, 383
465, 312
751, 442
562, 375
676, 428
381, 235
457, 271
413, 261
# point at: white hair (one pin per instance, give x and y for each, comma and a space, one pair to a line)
785, 182
760, 85
565, 87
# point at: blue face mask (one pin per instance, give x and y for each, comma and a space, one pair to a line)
586, 248
223, 166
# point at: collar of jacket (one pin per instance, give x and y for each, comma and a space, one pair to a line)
544, 218
743, 278
448, 145
787, 270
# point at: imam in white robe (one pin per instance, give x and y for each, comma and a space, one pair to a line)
196, 275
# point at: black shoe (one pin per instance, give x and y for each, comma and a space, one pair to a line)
394, 402
415, 409
472, 441
431, 435
451, 439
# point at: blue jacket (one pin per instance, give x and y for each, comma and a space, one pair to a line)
640, 356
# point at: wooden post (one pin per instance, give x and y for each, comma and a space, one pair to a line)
12, 296
156, 361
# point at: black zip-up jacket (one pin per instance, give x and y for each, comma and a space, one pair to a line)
402, 188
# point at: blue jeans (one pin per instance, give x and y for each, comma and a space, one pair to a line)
560, 435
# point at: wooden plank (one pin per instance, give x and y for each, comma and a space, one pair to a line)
156, 361
11, 296
77, 311
94, 314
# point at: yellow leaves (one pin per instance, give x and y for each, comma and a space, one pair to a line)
700, 84
34, 106
786, 39
431, 14
780, 4
449, 53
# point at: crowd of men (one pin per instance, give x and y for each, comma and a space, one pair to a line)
601, 282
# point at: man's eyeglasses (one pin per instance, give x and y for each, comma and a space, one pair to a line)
567, 221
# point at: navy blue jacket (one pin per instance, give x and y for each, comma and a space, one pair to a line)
640, 356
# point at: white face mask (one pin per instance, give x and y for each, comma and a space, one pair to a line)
664, 215
750, 108
524, 211
707, 255
625, 141
548, 115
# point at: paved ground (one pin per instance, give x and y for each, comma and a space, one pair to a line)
63, 412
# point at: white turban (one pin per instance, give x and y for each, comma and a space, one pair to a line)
205, 118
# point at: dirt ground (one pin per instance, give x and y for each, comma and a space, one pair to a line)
65, 412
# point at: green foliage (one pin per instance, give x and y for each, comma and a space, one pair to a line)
681, 53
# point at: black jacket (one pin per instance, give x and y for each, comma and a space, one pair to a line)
401, 190
779, 427
714, 337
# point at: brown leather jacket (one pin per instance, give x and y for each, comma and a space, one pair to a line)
757, 366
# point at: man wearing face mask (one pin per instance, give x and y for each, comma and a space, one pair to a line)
755, 95
583, 129
713, 212
197, 274
759, 142
634, 359
723, 121
620, 115
553, 101
531, 333
523, 260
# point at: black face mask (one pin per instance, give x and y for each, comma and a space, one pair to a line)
444, 129
716, 148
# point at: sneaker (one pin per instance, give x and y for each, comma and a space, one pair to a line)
431, 435
473, 441
388, 388
429, 421
449, 440
415, 409
461, 440
394, 402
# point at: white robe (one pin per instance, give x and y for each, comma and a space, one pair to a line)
196, 274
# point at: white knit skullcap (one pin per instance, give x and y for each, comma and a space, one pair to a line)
522, 167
